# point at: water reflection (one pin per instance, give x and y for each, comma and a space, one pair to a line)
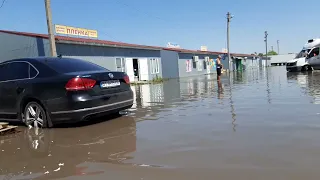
257, 119
60, 153
309, 84
155, 101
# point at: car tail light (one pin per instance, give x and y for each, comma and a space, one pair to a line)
77, 84
126, 79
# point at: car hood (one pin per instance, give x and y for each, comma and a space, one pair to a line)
294, 60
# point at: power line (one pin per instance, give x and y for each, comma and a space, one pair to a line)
2, 3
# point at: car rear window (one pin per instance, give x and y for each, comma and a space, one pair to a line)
66, 65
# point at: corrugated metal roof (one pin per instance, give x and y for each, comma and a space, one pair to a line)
113, 43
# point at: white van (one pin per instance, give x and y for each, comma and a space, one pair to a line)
300, 63
313, 58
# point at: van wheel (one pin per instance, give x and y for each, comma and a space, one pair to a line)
35, 115
304, 68
309, 68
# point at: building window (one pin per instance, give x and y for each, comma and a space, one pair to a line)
120, 63
195, 60
155, 66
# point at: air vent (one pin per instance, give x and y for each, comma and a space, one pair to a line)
310, 41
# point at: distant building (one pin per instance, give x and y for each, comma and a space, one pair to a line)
140, 62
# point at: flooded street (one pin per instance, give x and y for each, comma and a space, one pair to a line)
259, 124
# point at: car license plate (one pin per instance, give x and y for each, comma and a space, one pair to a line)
110, 84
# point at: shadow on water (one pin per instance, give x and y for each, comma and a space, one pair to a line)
91, 121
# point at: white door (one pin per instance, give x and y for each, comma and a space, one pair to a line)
129, 69
143, 69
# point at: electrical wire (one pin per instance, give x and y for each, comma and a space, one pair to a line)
2, 3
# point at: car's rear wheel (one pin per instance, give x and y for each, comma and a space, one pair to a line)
35, 115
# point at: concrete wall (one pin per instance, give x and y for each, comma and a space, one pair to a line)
169, 64
86, 50
283, 58
184, 57
106, 56
264, 63
18, 46
252, 63
15, 46
110, 63
106, 62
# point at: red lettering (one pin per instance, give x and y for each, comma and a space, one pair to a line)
81, 32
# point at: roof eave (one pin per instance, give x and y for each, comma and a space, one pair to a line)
104, 45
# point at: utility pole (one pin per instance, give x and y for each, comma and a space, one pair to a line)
229, 17
266, 40
50, 30
278, 46
272, 48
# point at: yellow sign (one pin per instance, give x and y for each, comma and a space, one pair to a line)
68, 30
204, 48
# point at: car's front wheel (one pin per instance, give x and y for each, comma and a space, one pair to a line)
35, 115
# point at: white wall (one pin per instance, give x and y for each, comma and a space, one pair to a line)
283, 58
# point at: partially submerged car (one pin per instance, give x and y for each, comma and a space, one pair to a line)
44, 91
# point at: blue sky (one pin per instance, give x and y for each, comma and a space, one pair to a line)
189, 23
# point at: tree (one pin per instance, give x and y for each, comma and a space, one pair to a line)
272, 53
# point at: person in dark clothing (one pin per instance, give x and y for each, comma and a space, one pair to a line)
219, 67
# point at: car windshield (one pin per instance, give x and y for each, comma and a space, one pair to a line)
303, 53
66, 65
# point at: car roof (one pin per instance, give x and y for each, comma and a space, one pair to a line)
37, 59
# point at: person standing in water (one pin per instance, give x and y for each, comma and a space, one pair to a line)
219, 67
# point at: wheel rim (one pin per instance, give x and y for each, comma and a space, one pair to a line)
34, 116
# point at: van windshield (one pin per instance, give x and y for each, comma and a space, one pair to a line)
302, 53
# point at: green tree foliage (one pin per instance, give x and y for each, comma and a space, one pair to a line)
272, 53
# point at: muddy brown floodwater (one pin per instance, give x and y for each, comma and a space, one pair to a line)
259, 124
